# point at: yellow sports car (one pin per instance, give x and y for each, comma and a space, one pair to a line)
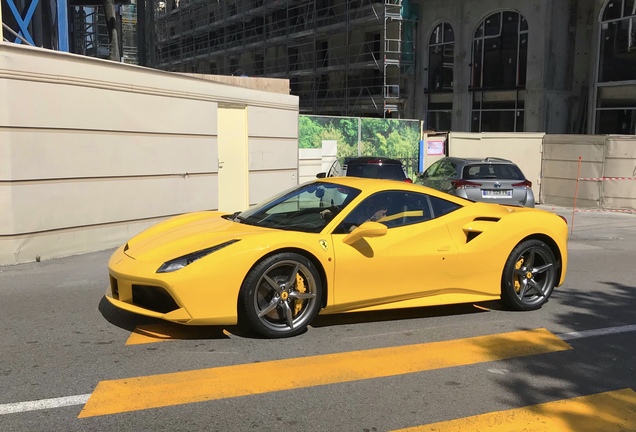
335, 245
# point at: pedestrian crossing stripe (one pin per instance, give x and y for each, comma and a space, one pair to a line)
154, 391
613, 411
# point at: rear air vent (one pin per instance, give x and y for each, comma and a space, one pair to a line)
477, 226
471, 235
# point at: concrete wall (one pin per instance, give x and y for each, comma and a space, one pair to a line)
314, 161
606, 172
92, 152
619, 185
272, 85
561, 167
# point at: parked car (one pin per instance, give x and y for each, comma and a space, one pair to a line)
489, 180
367, 167
337, 245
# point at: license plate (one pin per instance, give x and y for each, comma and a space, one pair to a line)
496, 193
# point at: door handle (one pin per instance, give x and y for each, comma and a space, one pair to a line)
444, 248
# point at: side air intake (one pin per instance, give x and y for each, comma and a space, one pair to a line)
477, 226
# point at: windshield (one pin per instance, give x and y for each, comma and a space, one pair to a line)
384, 171
493, 171
307, 208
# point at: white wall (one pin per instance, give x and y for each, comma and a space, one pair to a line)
92, 151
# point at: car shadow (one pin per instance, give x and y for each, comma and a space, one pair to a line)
164, 330
404, 314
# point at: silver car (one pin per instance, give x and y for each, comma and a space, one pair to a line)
489, 180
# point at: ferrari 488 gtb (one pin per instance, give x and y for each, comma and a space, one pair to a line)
335, 245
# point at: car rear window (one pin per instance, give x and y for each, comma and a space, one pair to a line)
494, 171
391, 172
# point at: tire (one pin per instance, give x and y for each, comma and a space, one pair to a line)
281, 296
529, 276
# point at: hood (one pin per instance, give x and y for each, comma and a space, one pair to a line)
186, 234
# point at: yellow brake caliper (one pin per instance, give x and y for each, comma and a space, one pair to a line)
300, 287
516, 277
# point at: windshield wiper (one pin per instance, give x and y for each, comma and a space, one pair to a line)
235, 217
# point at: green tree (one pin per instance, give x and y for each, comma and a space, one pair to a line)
331, 132
349, 128
309, 132
403, 142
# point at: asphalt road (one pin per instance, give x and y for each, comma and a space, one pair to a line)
70, 362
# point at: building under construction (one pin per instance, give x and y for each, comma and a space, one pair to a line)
342, 57
89, 33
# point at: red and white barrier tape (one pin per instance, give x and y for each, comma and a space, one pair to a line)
606, 178
605, 210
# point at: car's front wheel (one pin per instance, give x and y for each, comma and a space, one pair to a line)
529, 276
281, 295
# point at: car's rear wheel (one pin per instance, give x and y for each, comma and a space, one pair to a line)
529, 276
281, 295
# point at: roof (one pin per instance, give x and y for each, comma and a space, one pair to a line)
489, 159
372, 159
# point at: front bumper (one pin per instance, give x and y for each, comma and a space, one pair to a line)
180, 297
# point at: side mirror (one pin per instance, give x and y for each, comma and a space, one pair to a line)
366, 230
321, 175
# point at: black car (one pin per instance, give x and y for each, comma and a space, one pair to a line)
367, 167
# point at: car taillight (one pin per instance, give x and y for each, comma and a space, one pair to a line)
464, 184
526, 184
408, 180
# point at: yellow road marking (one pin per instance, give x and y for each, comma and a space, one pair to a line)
153, 333
131, 394
607, 412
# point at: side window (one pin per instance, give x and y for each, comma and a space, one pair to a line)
334, 171
432, 170
446, 169
441, 206
391, 208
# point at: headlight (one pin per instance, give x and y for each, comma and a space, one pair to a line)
182, 261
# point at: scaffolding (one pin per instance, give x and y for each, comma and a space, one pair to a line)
341, 57
89, 35
129, 33
89, 32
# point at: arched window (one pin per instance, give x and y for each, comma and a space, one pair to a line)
441, 59
498, 81
441, 66
616, 97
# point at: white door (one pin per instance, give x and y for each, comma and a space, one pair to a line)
233, 158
